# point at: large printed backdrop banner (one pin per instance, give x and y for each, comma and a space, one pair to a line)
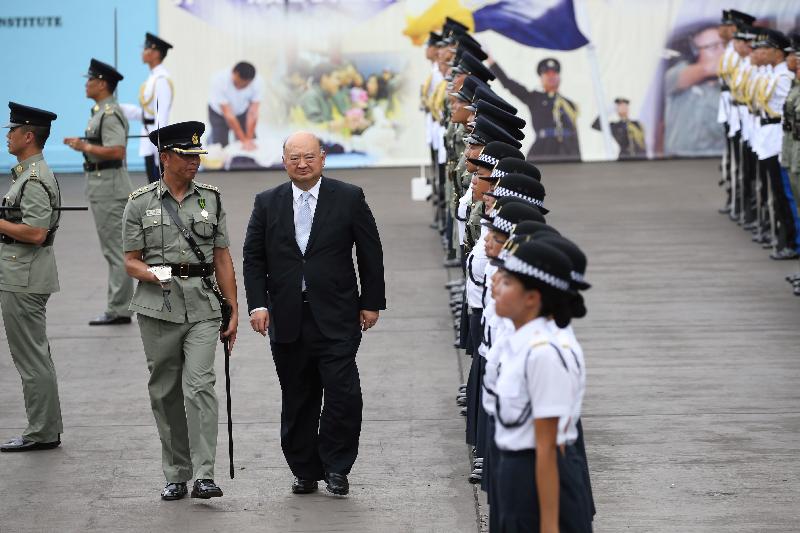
351, 70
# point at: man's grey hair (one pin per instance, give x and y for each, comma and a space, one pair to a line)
319, 142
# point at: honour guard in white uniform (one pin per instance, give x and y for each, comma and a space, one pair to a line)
155, 101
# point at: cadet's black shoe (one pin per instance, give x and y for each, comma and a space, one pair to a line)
337, 484
304, 486
784, 254
107, 319
21, 444
205, 489
174, 491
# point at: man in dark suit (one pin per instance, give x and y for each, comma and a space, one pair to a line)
301, 287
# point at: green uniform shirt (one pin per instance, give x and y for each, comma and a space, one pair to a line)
29, 267
792, 103
142, 229
107, 127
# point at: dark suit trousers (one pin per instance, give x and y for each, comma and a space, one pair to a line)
316, 437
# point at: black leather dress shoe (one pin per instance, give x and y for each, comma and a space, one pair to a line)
205, 489
21, 444
337, 484
107, 319
174, 491
304, 486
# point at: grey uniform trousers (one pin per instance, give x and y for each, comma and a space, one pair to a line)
108, 221
180, 358
26, 330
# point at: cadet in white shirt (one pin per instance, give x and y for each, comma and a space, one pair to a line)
155, 101
539, 480
233, 105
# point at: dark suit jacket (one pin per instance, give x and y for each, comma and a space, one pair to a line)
274, 266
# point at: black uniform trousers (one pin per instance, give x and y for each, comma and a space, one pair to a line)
315, 442
474, 379
748, 172
517, 503
785, 230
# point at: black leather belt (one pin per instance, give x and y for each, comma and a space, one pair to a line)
48, 241
191, 270
765, 121
102, 165
148, 121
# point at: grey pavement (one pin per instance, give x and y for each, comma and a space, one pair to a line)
691, 415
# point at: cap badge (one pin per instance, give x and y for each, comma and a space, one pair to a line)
195, 139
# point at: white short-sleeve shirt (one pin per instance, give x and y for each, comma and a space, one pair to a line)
533, 382
224, 92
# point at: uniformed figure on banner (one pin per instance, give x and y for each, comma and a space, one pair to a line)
28, 275
107, 183
180, 331
554, 117
628, 133
155, 101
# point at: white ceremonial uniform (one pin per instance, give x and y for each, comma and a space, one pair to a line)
533, 382
463, 209
431, 127
777, 90
738, 111
572, 352
156, 92
729, 61
765, 75
476, 272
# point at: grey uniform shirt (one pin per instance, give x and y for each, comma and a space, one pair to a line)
107, 127
24, 267
142, 230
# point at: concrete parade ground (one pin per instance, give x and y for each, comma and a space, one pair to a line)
692, 342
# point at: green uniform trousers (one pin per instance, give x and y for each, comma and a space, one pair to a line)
180, 358
26, 329
108, 221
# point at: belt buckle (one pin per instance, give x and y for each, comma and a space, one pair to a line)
183, 270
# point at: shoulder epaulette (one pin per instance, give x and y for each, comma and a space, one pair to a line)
34, 172
142, 190
206, 186
539, 342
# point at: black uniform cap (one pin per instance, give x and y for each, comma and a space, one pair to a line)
732, 16
576, 257
509, 214
500, 202
621, 100
103, 71
470, 64
540, 261
22, 115
494, 152
520, 186
795, 43
153, 41
434, 38
487, 109
468, 88
524, 232
515, 166
183, 137
549, 63
745, 33
486, 131
769, 38
452, 29
485, 93
466, 43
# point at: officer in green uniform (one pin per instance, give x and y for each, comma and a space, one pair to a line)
28, 275
180, 329
107, 183
790, 153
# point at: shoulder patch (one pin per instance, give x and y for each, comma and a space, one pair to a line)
539, 342
206, 186
141, 190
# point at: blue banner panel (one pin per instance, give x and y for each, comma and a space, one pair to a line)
47, 46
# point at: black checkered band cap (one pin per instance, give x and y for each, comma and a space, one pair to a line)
488, 159
502, 191
515, 264
502, 224
577, 276
497, 173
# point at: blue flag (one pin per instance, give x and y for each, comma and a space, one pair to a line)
530, 23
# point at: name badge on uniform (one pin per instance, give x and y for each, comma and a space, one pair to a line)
152, 212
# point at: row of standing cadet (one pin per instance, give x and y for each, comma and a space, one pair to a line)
759, 109
512, 309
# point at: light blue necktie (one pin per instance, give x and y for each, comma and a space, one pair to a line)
302, 230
